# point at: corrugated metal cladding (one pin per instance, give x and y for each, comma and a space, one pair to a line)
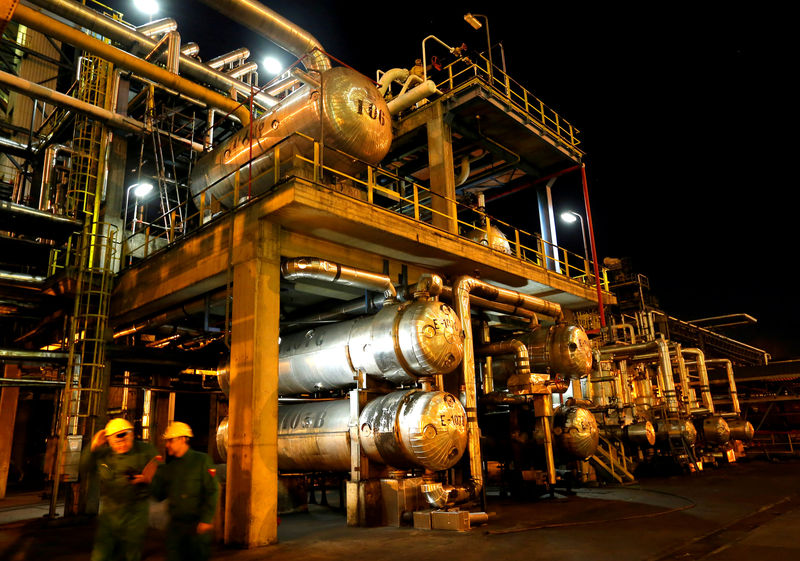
38, 71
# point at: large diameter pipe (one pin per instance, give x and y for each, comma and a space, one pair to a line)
268, 23
67, 34
158, 27
139, 43
702, 371
406, 100
403, 429
314, 268
42, 93
238, 55
401, 343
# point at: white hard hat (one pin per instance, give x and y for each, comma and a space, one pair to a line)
176, 429
117, 425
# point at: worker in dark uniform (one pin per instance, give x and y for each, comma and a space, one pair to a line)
188, 481
124, 469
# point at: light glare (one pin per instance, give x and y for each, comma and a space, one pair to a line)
272, 66
142, 189
568, 217
148, 7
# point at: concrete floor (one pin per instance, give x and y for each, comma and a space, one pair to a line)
746, 511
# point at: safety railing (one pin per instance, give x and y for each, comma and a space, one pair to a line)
301, 158
461, 73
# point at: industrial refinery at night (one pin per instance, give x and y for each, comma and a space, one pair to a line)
363, 296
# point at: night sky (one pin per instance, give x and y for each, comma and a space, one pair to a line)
684, 113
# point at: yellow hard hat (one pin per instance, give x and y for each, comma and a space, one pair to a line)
117, 425
176, 429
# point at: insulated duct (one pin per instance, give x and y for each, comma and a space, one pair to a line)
72, 36
268, 23
141, 44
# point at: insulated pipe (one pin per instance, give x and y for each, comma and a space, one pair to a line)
112, 119
305, 78
268, 23
243, 69
67, 34
42, 93
666, 376
193, 307
463, 175
282, 85
705, 389
48, 166
190, 49
318, 269
463, 287
131, 39
522, 364
173, 51
690, 403
238, 55
406, 100
625, 327
158, 27
731, 381
390, 76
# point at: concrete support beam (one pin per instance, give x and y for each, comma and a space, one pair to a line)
440, 161
251, 503
8, 414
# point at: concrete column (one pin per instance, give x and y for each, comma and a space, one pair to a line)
251, 503
440, 162
8, 414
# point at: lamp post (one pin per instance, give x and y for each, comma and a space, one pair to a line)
570, 217
473, 21
140, 190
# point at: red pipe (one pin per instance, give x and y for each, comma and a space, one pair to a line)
594, 249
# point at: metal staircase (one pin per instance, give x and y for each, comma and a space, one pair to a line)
611, 460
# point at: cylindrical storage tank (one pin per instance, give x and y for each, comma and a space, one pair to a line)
673, 429
399, 344
414, 428
560, 349
222, 439
345, 108
314, 436
716, 430
741, 430
496, 239
575, 432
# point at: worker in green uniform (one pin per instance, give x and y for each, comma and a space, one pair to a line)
124, 469
188, 480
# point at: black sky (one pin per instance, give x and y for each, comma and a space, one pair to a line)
685, 116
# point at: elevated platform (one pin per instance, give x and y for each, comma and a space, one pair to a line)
318, 221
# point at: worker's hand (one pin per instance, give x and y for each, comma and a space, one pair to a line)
139, 478
99, 439
202, 527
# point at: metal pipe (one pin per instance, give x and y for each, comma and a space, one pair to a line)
42, 93
463, 175
406, 100
7, 276
600, 309
625, 327
48, 166
158, 27
192, 307
61, 32
19, 355
112, 119
689, 401
137, 42
522, 364
239, 55
463, 287
243, 69
305, 78
665, 373
731, 381
173, 51
390, 76
190, 49
282, 85
705, 389
315, 268
268, 23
